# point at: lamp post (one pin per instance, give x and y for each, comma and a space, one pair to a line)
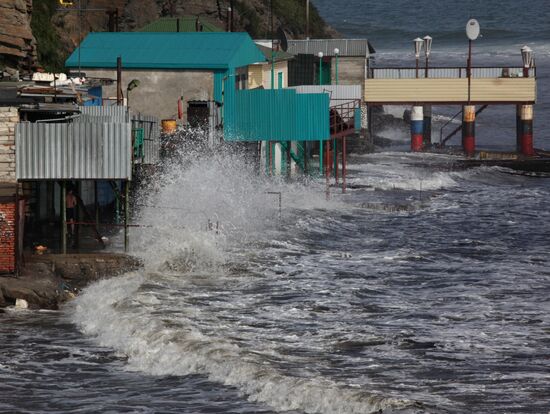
336, 53
527, 57
134, 83
320, 54
427, 51
418, 42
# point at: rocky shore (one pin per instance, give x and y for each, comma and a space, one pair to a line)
46, 281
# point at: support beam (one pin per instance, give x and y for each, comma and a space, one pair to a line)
344, 162
126, 213
469, 129
417, 128
63, 217
427, 124
526, 142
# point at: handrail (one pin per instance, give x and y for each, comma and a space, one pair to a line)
441, 142
451, 72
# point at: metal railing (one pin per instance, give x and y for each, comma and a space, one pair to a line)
342, 118
450, 72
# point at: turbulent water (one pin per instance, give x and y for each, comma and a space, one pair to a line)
422, 289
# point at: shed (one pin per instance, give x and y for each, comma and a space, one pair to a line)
353, 56
194, 66
259, 74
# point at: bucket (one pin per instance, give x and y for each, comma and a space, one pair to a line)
168, 125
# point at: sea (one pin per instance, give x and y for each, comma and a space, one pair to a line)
424, 288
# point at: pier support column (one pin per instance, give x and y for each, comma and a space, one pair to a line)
469, 129
427, 125
526, 140
518, 128
417, 128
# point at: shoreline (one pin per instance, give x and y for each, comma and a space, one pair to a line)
47, 281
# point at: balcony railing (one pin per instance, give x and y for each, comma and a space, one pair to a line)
450, 72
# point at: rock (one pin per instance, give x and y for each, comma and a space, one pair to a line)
21, 303
17, 43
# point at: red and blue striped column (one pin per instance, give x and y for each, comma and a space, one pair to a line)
469, 129
417, 128
526, 139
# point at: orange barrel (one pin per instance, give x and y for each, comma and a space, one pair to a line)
168, 125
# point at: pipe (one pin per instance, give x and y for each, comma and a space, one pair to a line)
469, 129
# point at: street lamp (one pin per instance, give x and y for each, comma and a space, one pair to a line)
320, 54
472, 32
418, 42
527, 56
134, 83
336, 53
427, 50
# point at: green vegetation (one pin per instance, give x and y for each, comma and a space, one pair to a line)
293, 15
50, 55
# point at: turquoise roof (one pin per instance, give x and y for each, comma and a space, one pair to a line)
214, 51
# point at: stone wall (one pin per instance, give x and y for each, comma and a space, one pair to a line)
9, 117
7, 235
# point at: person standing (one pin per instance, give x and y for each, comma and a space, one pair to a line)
70, 208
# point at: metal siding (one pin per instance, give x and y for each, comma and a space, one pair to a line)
73, 151
347, 47
450, 90
112, 113
279, 115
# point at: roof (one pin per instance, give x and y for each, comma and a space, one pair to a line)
145, 50
186, 24
347, 47
279, 54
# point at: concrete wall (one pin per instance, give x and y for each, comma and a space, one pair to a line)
351, 71
9, 117
159, 90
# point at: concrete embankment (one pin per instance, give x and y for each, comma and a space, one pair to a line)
46, 281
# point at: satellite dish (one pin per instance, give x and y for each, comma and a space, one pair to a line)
472, 29
282, 38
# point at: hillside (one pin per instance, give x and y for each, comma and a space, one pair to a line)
57, 30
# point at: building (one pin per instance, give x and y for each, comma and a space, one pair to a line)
193, 67
259, 74
343, 60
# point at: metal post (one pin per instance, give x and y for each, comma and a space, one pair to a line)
320, 55
336, 69
327, 171
272, 49
119, 81
469, 69
417, 66
270, 158
344, 164
288, 161
96, 205
63, 218
307, 19
335, 159
126, 213
321, 158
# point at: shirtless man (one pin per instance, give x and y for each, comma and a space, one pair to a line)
70, 204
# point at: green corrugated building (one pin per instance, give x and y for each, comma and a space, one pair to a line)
195, 66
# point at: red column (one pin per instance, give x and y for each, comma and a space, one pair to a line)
469, 129
526, 139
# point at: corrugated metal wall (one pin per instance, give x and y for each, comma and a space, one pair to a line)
279, 115
73, 151
346, 47
114, 114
